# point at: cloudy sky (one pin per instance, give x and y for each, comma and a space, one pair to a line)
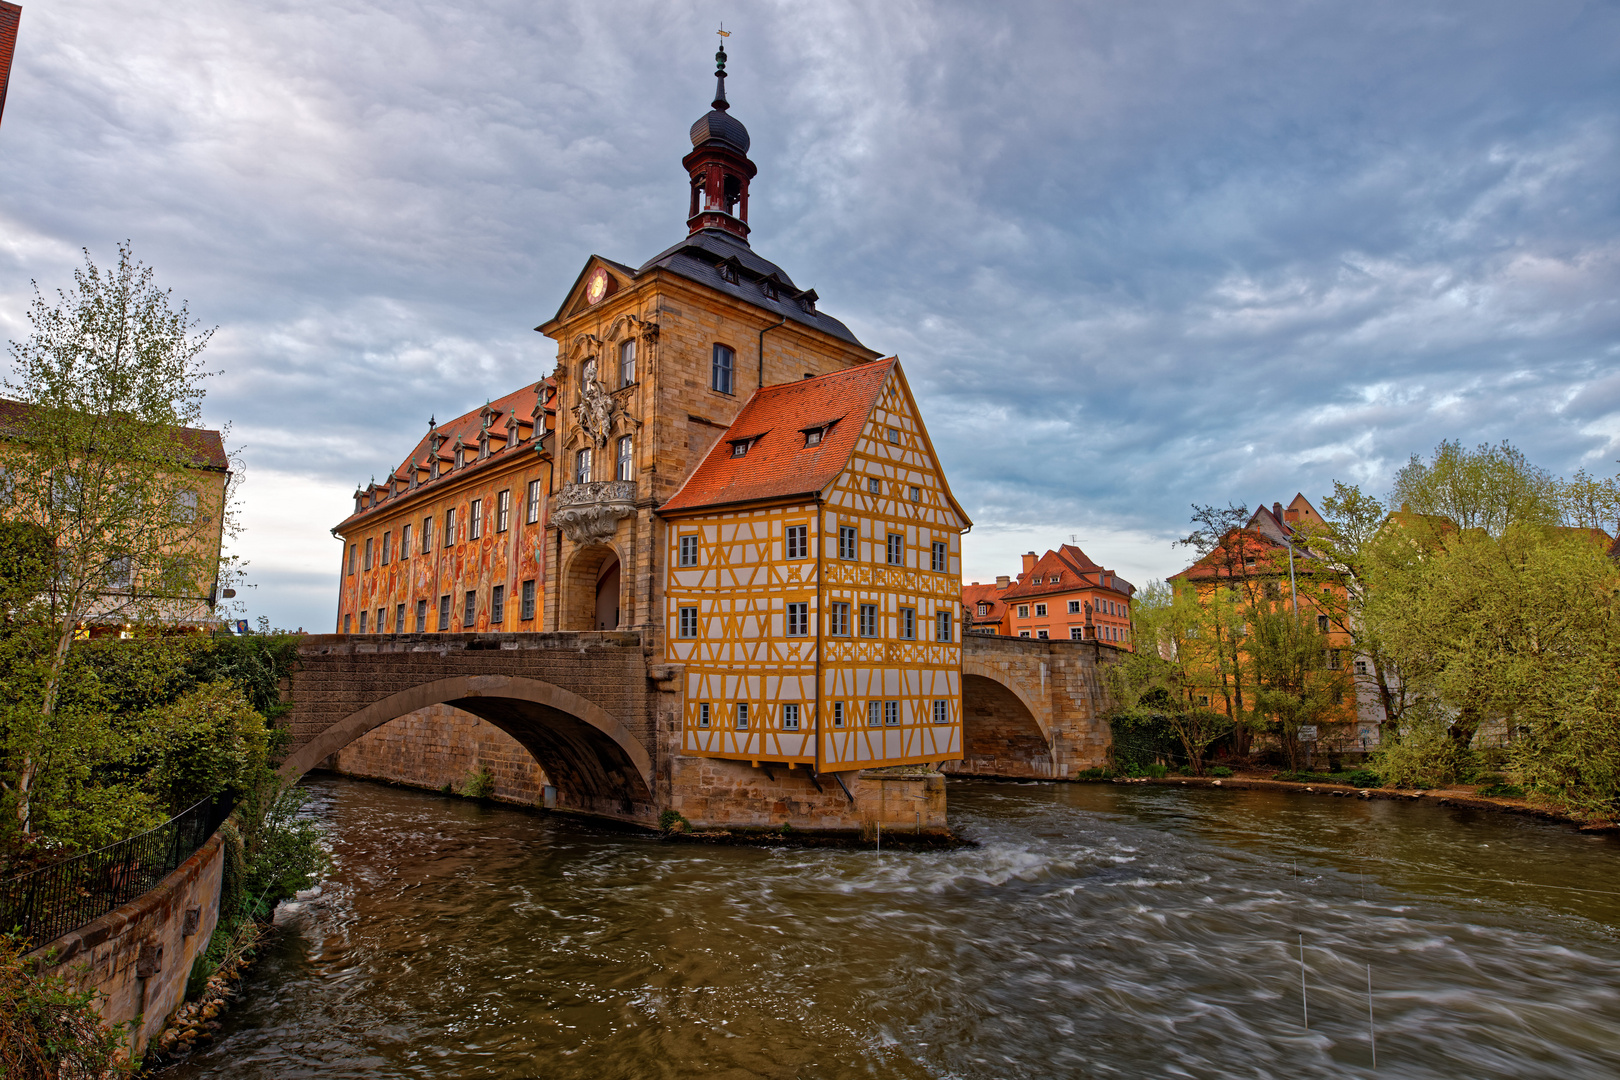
1132, 255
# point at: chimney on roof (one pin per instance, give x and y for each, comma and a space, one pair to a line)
1276, 509
1029, 561
1002, 582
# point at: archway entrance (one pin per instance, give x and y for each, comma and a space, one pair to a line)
594, 761
607, 596
1000, 737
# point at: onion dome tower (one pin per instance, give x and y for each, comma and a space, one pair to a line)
719, 166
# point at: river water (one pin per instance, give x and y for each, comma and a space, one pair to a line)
1096, 930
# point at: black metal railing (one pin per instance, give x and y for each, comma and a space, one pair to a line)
44, 904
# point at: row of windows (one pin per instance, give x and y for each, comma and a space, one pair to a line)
798, 547
878, 714
798, 622
1109, 607
624, 465
1078, 633
477, 520
469, 611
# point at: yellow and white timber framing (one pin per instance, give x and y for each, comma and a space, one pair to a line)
862, 700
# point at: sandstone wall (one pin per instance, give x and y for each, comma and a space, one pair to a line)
140, 955
441, 745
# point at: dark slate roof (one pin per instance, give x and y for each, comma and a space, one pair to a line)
722, 127
700, 256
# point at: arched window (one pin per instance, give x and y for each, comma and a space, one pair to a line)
725, 361
582, 466
625, 468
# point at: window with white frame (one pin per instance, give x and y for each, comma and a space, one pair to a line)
1023, 611
531, 515
790, 718
688, 622
450, 527
942, 557
798, 620
1040, 611
721, 368
869, 619
405, 541
896, 549
847, 537
1077, 633
625, 467
798, 541
689, 550
874, 485
475, 519
703, 714
503, 510
742, 716
427, 535
838, 714
891, 714
942, 626
838, 619
942, 712
908, 624
1074, 607
627, 362
874, 714
582, 465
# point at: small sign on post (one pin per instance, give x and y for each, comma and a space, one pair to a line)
1307, 733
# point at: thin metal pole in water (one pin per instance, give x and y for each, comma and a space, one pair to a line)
1372, 1035
1304, 997
880, 838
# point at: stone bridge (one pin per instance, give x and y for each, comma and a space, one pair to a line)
598, 714
1033, 708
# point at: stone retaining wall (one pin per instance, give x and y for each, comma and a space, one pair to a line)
140, 955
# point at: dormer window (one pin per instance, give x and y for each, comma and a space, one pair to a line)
812, 438
807, 300
461, 457
770, 287
1056, 578
728, 272
738, 449
1035, 581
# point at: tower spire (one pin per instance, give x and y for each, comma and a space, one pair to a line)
720, 101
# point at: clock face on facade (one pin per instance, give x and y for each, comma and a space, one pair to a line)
597, 287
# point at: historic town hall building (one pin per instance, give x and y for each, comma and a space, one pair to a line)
719, 465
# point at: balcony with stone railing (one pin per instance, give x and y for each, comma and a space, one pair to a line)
588, 513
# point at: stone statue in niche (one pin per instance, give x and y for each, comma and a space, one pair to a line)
595, 409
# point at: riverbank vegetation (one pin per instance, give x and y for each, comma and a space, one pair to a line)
1482, 605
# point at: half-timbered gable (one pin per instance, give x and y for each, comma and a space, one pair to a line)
814, 568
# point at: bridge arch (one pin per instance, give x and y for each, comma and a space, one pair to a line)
595, 762
1006, 731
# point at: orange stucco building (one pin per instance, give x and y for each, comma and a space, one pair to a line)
1062, 594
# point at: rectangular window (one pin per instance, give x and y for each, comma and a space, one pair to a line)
790, 718
846, 541
497, 607
368, 563
1042, 634
382, 621
352, 549
185, 506
450, 527
942, 712
627, 362
908, 623
1361, 667
897, 549
874, 485
742, 716
942, 626
527, 611
362, 622
1040, 611
387, 545
838, 620
444, 613
531, 514
1077, 633
689, 550
399, 618
798, 541
916, 494
724, 361
625, 466
582, 466
942, 557
1074, 607
1321, 620
348, 627
874, 714
688, 622
868, 620
838, 714
475, 519
427, 535
703, 714
469, 609
503, 511
894, 436
421, 616
405, 541
798, 620
1023, 611
1023, 633
891, 714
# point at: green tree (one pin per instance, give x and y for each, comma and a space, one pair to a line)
110, 374
1589, 502
1294, 685
1224, 544
1489, 488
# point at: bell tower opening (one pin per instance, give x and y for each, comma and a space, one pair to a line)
719, 166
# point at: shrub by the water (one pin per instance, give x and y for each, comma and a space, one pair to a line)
480, 784
48, 1031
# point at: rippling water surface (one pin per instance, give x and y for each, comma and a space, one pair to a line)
1098, 930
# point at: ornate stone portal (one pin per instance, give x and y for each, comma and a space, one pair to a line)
588, 513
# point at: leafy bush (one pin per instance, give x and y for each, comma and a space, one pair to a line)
1220, 771
480, 784
673, 821
1423, 755
47, 1030
1093, 774
1363, 778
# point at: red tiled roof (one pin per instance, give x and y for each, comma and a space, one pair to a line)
778, 464
207, 448
10, 16
976, 594
1074, 570
519, 404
